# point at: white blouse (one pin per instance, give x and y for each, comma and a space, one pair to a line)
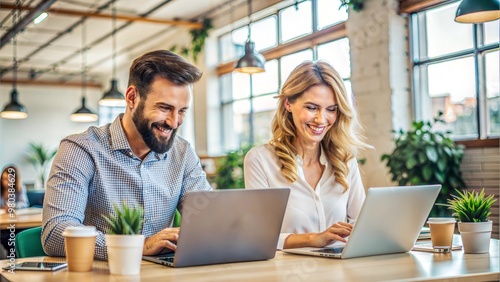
308, 209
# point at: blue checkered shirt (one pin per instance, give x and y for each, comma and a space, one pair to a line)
97, 168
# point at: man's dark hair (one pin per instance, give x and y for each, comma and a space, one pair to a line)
161, 63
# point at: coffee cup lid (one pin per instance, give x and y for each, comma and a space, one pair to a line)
441, 220
79, 231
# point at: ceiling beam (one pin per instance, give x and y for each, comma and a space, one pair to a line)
51, 83
195, 25
21, 24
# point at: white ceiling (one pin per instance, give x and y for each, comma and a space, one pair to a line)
54, 53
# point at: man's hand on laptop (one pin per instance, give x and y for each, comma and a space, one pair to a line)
155, 244
336, 232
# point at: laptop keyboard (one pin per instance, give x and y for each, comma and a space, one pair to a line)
167, 259
335, 250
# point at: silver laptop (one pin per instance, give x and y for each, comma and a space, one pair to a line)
225, 226
389, 222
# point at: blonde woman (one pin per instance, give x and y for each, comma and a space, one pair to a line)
313, 152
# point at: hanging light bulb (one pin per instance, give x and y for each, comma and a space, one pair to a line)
113, 97
478, 11
83, 114
251, 62
14, 110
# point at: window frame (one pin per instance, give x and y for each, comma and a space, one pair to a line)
420, 61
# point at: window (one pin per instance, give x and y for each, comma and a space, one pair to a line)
108, 114
247, 103
456, 71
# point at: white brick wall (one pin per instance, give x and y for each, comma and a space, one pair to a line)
379, 66
481, 168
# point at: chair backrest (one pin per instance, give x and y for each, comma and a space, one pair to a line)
29, 243
36, 198
177, 219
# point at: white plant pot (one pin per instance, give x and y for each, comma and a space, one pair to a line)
475, 236
124, 253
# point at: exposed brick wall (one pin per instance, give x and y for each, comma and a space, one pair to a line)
481, 168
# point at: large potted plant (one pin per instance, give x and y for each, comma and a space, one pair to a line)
39, 157
426, 156
124, 241
472, 211
229, 172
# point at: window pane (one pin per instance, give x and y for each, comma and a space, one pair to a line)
348, 89
452, 91
264, 33
337, 54
225, 87
236, 124
241, 85
264, 108
444, 35
226, 48
108, 114
266, 82
491, 32
296, 22
493, 92
290, 62
330, 13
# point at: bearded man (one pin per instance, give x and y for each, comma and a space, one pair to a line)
137, 159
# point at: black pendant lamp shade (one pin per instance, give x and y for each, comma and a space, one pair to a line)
478, 11
251, 62
113, 98
83, 114
14, 110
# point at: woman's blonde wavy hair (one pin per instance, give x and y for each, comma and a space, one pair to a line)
343, 139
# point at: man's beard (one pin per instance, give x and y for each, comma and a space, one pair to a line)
158, 145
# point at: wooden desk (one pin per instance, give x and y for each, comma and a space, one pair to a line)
411, 266
25, 218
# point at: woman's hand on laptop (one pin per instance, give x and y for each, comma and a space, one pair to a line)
337, 232
166, 238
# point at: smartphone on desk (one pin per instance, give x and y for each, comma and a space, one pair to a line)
40, 266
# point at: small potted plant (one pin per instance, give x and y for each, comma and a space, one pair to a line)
124, 241
472, 210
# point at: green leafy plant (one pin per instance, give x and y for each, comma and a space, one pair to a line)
471, 206
125, 221
198, 37
230, 169
39, 156
356, 5
424, 156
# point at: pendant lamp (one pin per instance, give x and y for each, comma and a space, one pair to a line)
83, 114
251, 62
14, 110
113, 97
478, 11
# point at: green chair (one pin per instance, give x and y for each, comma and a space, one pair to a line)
29, 243
177, 219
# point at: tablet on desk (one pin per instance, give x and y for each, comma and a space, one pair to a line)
40, 266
